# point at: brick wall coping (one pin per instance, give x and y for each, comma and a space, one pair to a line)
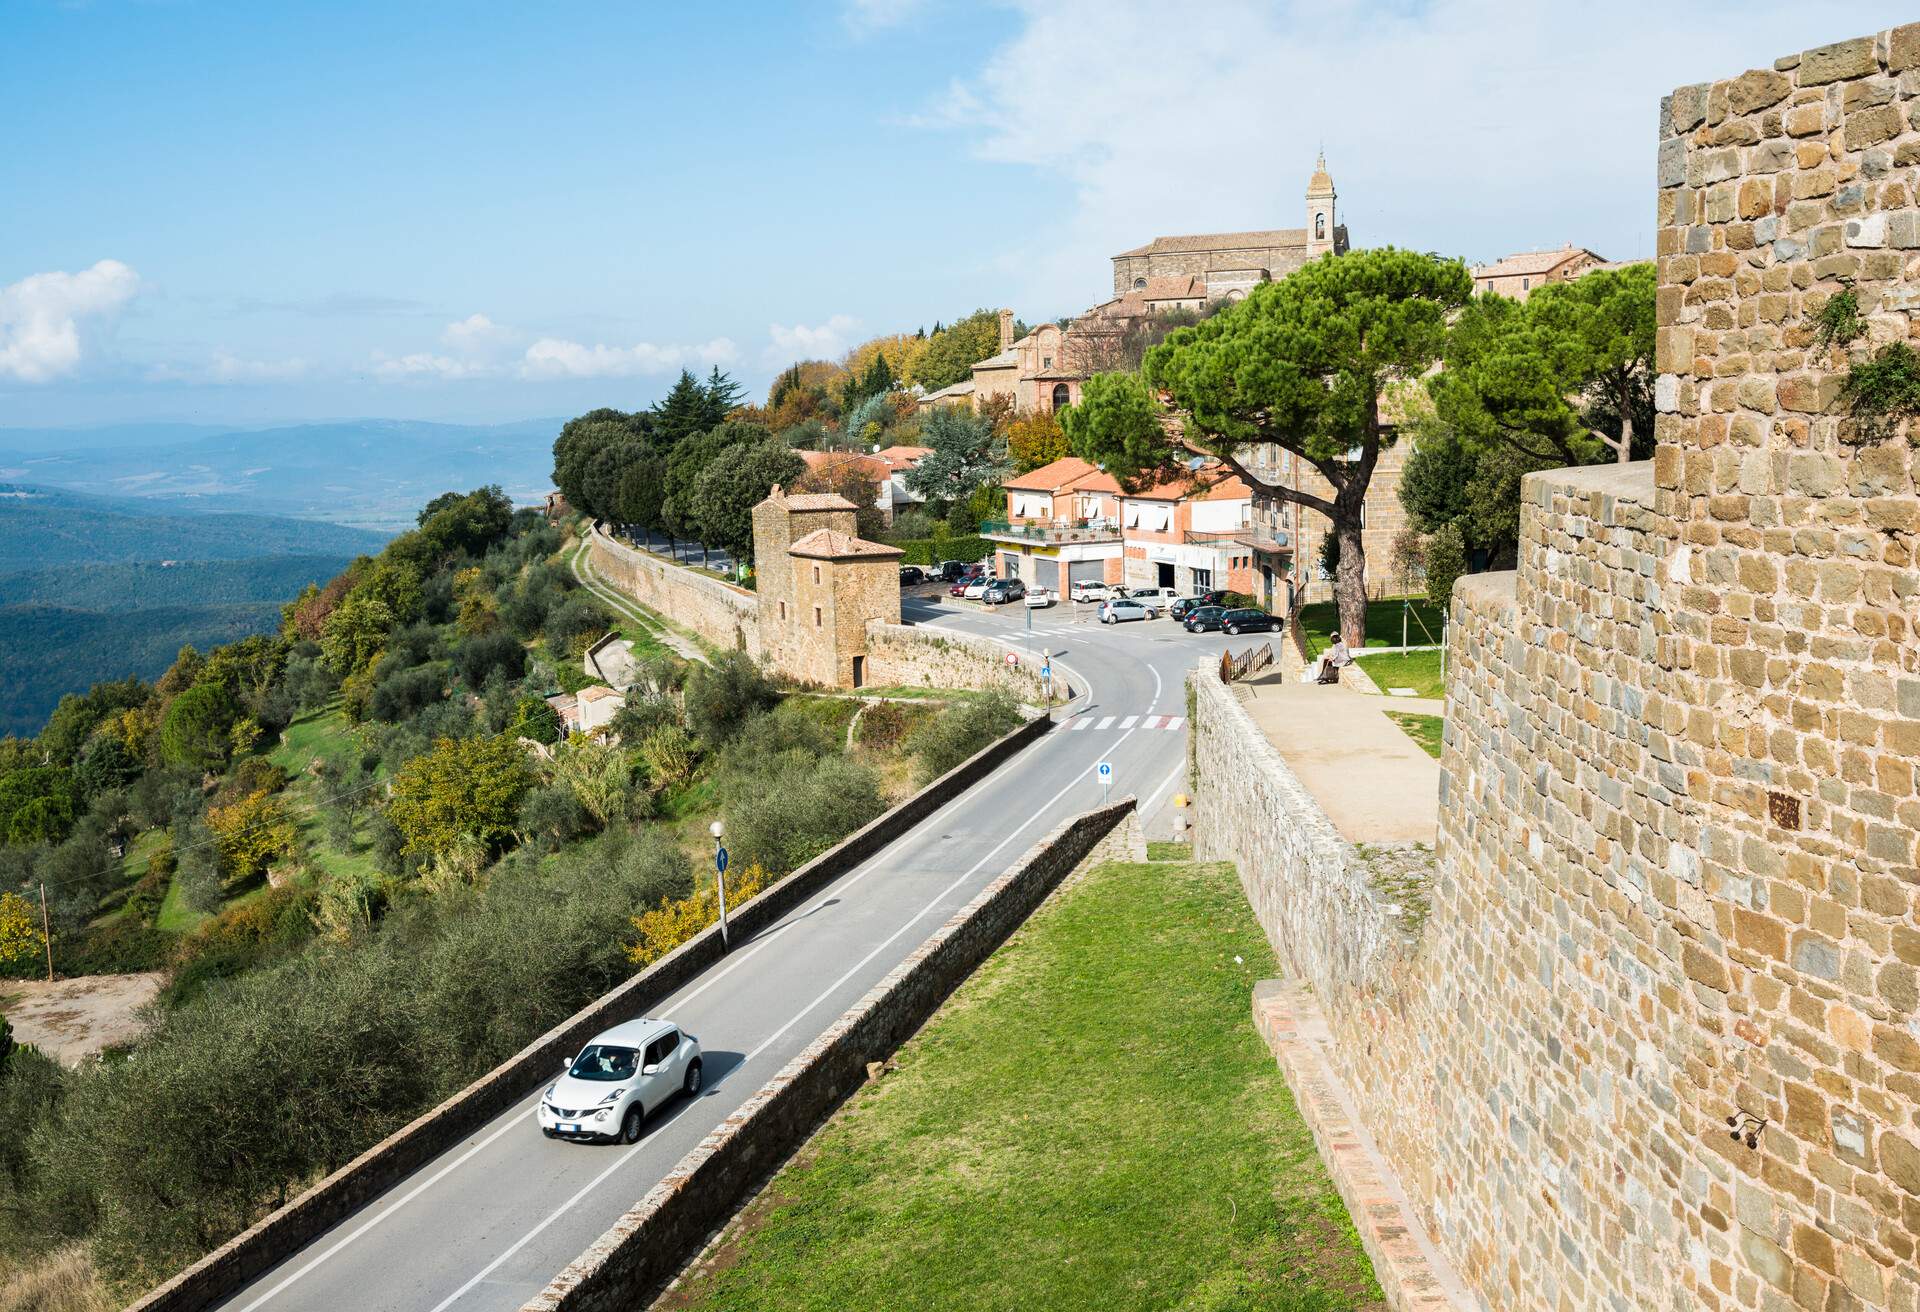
296, 1223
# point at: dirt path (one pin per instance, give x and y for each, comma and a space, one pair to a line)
72, 1019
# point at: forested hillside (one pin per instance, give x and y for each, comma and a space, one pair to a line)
42, 526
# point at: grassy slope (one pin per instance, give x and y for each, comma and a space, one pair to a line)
1418, 670
1319, 620
1091, 1122
1423, 729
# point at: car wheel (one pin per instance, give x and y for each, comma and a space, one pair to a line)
1153, 614
1233, 630
549, 1133
692, 1085
630, 1127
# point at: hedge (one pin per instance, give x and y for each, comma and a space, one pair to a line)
931, 551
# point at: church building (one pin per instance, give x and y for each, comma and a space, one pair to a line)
1188, 272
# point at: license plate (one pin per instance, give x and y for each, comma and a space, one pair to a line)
568, 1129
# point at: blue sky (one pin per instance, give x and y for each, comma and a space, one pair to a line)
240, 212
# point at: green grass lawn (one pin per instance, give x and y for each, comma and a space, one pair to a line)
1418, 670
1423, 729
1091, 1122
1320, 620
324, 733
1169, 851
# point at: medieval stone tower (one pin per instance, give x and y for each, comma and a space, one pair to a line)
819, 584
1322, 222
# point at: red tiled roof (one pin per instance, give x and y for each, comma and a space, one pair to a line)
1181, 287
1069, 473
876, 468
1222, 241
900, 458
1531, 262
831, 544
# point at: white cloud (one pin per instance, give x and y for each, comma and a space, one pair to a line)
554, 357
477, 336
230, 368
1470, 127
426, 365
49, 322
825, 341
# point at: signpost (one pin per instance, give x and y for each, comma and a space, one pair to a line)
720, 882
1013, 658
1105, 771
1046, 675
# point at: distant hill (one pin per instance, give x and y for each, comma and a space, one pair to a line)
96, 588
375, 473
41, 526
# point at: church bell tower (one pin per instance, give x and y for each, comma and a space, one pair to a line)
1321, 222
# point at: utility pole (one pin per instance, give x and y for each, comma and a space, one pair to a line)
46, 930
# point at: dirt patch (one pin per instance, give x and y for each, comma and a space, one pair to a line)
73, 1019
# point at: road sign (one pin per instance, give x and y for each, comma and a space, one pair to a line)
1046, 671
1105, 771
1013, 658
720, 859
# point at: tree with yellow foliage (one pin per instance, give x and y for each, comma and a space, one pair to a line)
1034, 440
251, 834
20, 937
673, 922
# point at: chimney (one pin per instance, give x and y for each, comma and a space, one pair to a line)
1006, 329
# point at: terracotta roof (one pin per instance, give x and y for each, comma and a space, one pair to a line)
1531, 262
962, 388
831, 544
812, 500
597, 692
875, 467
1068, 473
902, 457
1222, 241
1174, 288
1208, 483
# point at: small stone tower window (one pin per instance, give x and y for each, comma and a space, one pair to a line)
1139, 284
816, 577
816, 618
783, 610
1319, 227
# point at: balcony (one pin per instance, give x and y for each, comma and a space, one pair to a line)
1053, 531
1274, 542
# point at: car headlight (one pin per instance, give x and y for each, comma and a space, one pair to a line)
615, 1096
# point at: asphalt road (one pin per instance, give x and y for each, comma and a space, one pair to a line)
492, 1220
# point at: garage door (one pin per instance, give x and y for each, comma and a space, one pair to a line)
1046, 573
1087, 571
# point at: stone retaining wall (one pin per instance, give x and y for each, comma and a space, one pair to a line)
280, 1235
726, 616
913, 656
654, 1241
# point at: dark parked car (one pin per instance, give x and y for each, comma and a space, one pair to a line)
911, 574
1180, 608
952, 570
1203, 619
1249, 620
1003, 591
970, 574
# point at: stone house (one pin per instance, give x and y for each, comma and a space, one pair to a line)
889, 475
1034, 373
589, 711
1192, 270
1518, 275
819, 586
611, 661
1062, 526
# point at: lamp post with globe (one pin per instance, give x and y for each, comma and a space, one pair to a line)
720, 880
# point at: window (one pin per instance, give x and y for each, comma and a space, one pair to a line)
1319, 227
1061, 396
662, 1048
1525, 283
816, 573
816, 618
1202, 580
783, 610
1139, 284
1046, 362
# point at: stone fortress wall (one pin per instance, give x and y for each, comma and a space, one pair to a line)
1674, 879
726, 616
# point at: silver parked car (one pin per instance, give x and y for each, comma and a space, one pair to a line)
1115, 610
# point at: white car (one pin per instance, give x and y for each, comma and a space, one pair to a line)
978, 586
1117, 610
618, 1080
1158, 600
1090, 590
1040, 598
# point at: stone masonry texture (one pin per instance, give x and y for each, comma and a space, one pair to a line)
1675, 874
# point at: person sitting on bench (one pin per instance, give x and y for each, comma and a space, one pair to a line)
1336, 656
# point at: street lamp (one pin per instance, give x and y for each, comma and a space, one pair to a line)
720, 879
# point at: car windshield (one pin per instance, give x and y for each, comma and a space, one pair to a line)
600, 1062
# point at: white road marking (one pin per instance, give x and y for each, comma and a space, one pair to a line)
1128, 723
1105, 723
828, 992
1175, 721
1080, 722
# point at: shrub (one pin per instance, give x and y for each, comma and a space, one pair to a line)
552, 817
574, 623
119, 948
723, 696
667, 926
403, 695
786, 816
1446, 562
462, 788
479, 657
959, 731
882, 726
668, 755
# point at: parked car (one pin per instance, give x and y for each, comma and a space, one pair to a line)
977, 584
620, 1078
1117, 610
968, 575
1180, 608
911, 575
1003, 590
1089, 590
1203, 619
1160, 599
1040, 598
952, 570
1249, 620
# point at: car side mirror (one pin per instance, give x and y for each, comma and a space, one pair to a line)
650, 1070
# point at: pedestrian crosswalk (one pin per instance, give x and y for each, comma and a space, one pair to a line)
1099, 722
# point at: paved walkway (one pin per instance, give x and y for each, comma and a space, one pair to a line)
1373, 781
